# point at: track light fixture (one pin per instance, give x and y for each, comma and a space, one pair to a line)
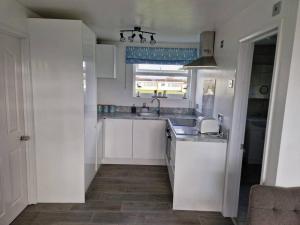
141, 33
122, 38
142, 38
152, 41
131, 38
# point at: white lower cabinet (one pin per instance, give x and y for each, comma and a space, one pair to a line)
134, 141
100, 147
118, 139
199, 175
149, 140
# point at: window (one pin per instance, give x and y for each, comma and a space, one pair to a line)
167, 81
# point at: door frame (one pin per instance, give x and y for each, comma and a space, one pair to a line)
28, 109
240, 105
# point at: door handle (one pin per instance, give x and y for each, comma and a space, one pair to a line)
24, 138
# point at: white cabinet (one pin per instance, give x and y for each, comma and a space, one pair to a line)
170, 156
100, 143
173, 153
134, 141
106, 61
90, 104
199, 175
64, 108
149, 139
118, 139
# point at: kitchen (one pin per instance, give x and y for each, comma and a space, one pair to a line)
138, 137
132, 122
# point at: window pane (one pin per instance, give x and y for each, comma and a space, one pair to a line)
147, 84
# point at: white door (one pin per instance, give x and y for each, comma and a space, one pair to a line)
149, 139
118, 139
13, 186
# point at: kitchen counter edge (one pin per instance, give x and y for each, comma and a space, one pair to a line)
166, 117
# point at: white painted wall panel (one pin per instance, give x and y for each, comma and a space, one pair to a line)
289, 156
256, 17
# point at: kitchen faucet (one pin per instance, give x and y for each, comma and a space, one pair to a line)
158, 104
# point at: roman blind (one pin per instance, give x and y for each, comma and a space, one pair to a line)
165, 56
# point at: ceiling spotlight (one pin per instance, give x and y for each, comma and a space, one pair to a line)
152, 41
131, 38
143, 40
137, 31
122, 38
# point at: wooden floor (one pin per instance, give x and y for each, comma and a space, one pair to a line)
119, 194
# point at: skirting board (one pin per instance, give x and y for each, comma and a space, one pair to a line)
155, 162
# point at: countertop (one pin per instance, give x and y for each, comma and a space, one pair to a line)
192, 138
121, 115
199, 137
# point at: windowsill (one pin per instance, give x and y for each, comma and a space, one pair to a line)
163, 98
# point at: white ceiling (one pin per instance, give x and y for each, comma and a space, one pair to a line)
173, 20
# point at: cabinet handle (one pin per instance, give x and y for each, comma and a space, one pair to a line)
24, 138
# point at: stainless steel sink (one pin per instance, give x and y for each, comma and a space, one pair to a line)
147, 114
184, 130
184, 126
183, 122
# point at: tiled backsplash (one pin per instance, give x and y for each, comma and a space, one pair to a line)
163, 110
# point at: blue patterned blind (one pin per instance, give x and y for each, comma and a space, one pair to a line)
166, 56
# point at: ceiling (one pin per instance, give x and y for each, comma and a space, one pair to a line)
173, 20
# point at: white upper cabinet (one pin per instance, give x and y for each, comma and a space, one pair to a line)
106, 61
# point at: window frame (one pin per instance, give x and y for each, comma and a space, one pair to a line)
187, 74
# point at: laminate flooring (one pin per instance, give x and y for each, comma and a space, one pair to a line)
121, 195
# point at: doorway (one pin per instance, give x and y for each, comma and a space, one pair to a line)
13, 157
256, 119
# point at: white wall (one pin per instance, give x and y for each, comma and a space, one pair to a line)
244, 23
256, 17
241, 25
120, 91
14, 16
289, 157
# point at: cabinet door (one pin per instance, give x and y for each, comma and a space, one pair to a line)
100, 152
173, 153
106, 61
90, 104
118, 138
149, 139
